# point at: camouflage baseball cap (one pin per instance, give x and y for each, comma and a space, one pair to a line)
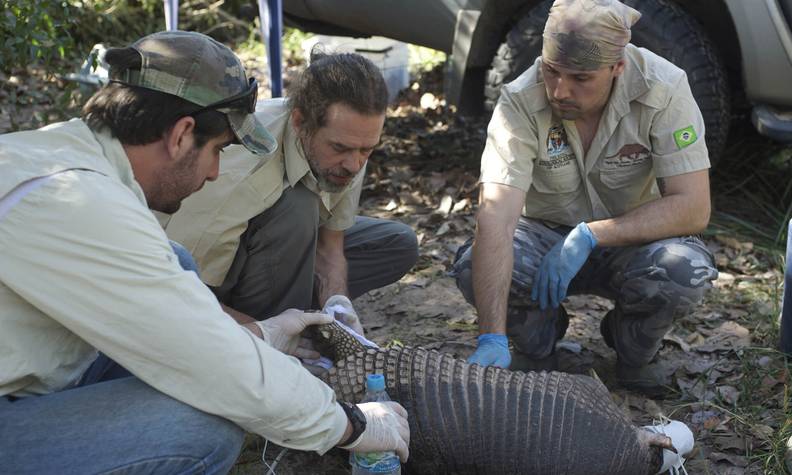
200, 70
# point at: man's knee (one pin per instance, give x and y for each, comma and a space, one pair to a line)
159, 433
404, 244
213, 442
379, 252
533, 331
186, 260
221, 445
522, 272
670, 273
295, 216
463, 271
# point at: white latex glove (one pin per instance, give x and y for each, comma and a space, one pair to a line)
341, 307
386, 430
282, 332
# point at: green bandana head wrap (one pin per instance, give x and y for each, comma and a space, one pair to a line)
587, 34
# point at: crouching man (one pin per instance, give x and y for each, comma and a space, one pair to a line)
112, 357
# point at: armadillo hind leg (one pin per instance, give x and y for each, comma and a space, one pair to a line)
469, 419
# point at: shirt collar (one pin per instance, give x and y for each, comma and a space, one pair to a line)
297, 166
119, 162
630, 86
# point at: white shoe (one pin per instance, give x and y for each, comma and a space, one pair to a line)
682, 439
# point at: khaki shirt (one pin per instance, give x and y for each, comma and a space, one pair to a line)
85, 267
210, 222
650, 128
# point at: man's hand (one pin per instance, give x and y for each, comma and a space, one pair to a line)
561, 264
282, 332
386, 430
493, 350
343, 311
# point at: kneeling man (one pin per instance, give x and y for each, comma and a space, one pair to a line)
281, 231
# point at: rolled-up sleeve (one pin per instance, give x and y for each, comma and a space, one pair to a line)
677, 135
84, 251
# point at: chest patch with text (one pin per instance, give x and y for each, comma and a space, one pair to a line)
559, 153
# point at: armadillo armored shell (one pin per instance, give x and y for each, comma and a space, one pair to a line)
468, 419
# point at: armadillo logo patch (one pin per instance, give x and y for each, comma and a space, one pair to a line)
628, 156
559, 153
685, 137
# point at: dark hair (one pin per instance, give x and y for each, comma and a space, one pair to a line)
348, 78
139, 116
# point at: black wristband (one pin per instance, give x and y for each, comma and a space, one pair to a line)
356, 418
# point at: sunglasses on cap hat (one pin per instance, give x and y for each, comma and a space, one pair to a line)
245, 101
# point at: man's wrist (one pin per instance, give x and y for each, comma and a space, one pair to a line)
254, 328
338, 299
265, 333
497, 338
357, 422
347, 433
586, 231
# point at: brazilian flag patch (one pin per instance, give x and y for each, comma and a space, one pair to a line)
685, 137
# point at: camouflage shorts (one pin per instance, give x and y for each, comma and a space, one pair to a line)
651, 284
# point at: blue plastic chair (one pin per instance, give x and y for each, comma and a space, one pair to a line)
271, 19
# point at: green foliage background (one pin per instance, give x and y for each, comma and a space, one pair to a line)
33, 31
43, 40
53, 33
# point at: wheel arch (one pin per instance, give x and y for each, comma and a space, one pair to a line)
465, 75
717, 22
470, 59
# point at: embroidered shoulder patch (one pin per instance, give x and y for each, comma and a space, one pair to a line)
685, 137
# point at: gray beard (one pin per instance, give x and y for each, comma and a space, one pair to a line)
321, 180
326, 185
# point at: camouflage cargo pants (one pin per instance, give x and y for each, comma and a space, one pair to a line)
651, 284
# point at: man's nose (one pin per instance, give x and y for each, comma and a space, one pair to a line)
561, 91
215, 171
355, 161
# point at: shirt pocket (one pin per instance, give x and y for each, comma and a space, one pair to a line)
626, 188
626, 176
561, 181
554, 194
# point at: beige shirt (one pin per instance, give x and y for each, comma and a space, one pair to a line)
650, 128
210, 223
85, 267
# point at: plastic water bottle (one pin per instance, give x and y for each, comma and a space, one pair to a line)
375, 462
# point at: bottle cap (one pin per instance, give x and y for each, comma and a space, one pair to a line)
375, 382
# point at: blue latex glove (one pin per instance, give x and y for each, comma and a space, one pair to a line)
561, 264
493, 350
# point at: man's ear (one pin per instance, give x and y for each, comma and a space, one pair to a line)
179, 139
297, 120
618, 69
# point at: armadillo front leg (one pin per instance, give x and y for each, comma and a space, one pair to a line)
469, 419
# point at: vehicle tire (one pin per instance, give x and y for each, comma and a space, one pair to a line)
664, 28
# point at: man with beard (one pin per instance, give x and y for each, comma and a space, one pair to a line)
593, 180
113, 358
280, 231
